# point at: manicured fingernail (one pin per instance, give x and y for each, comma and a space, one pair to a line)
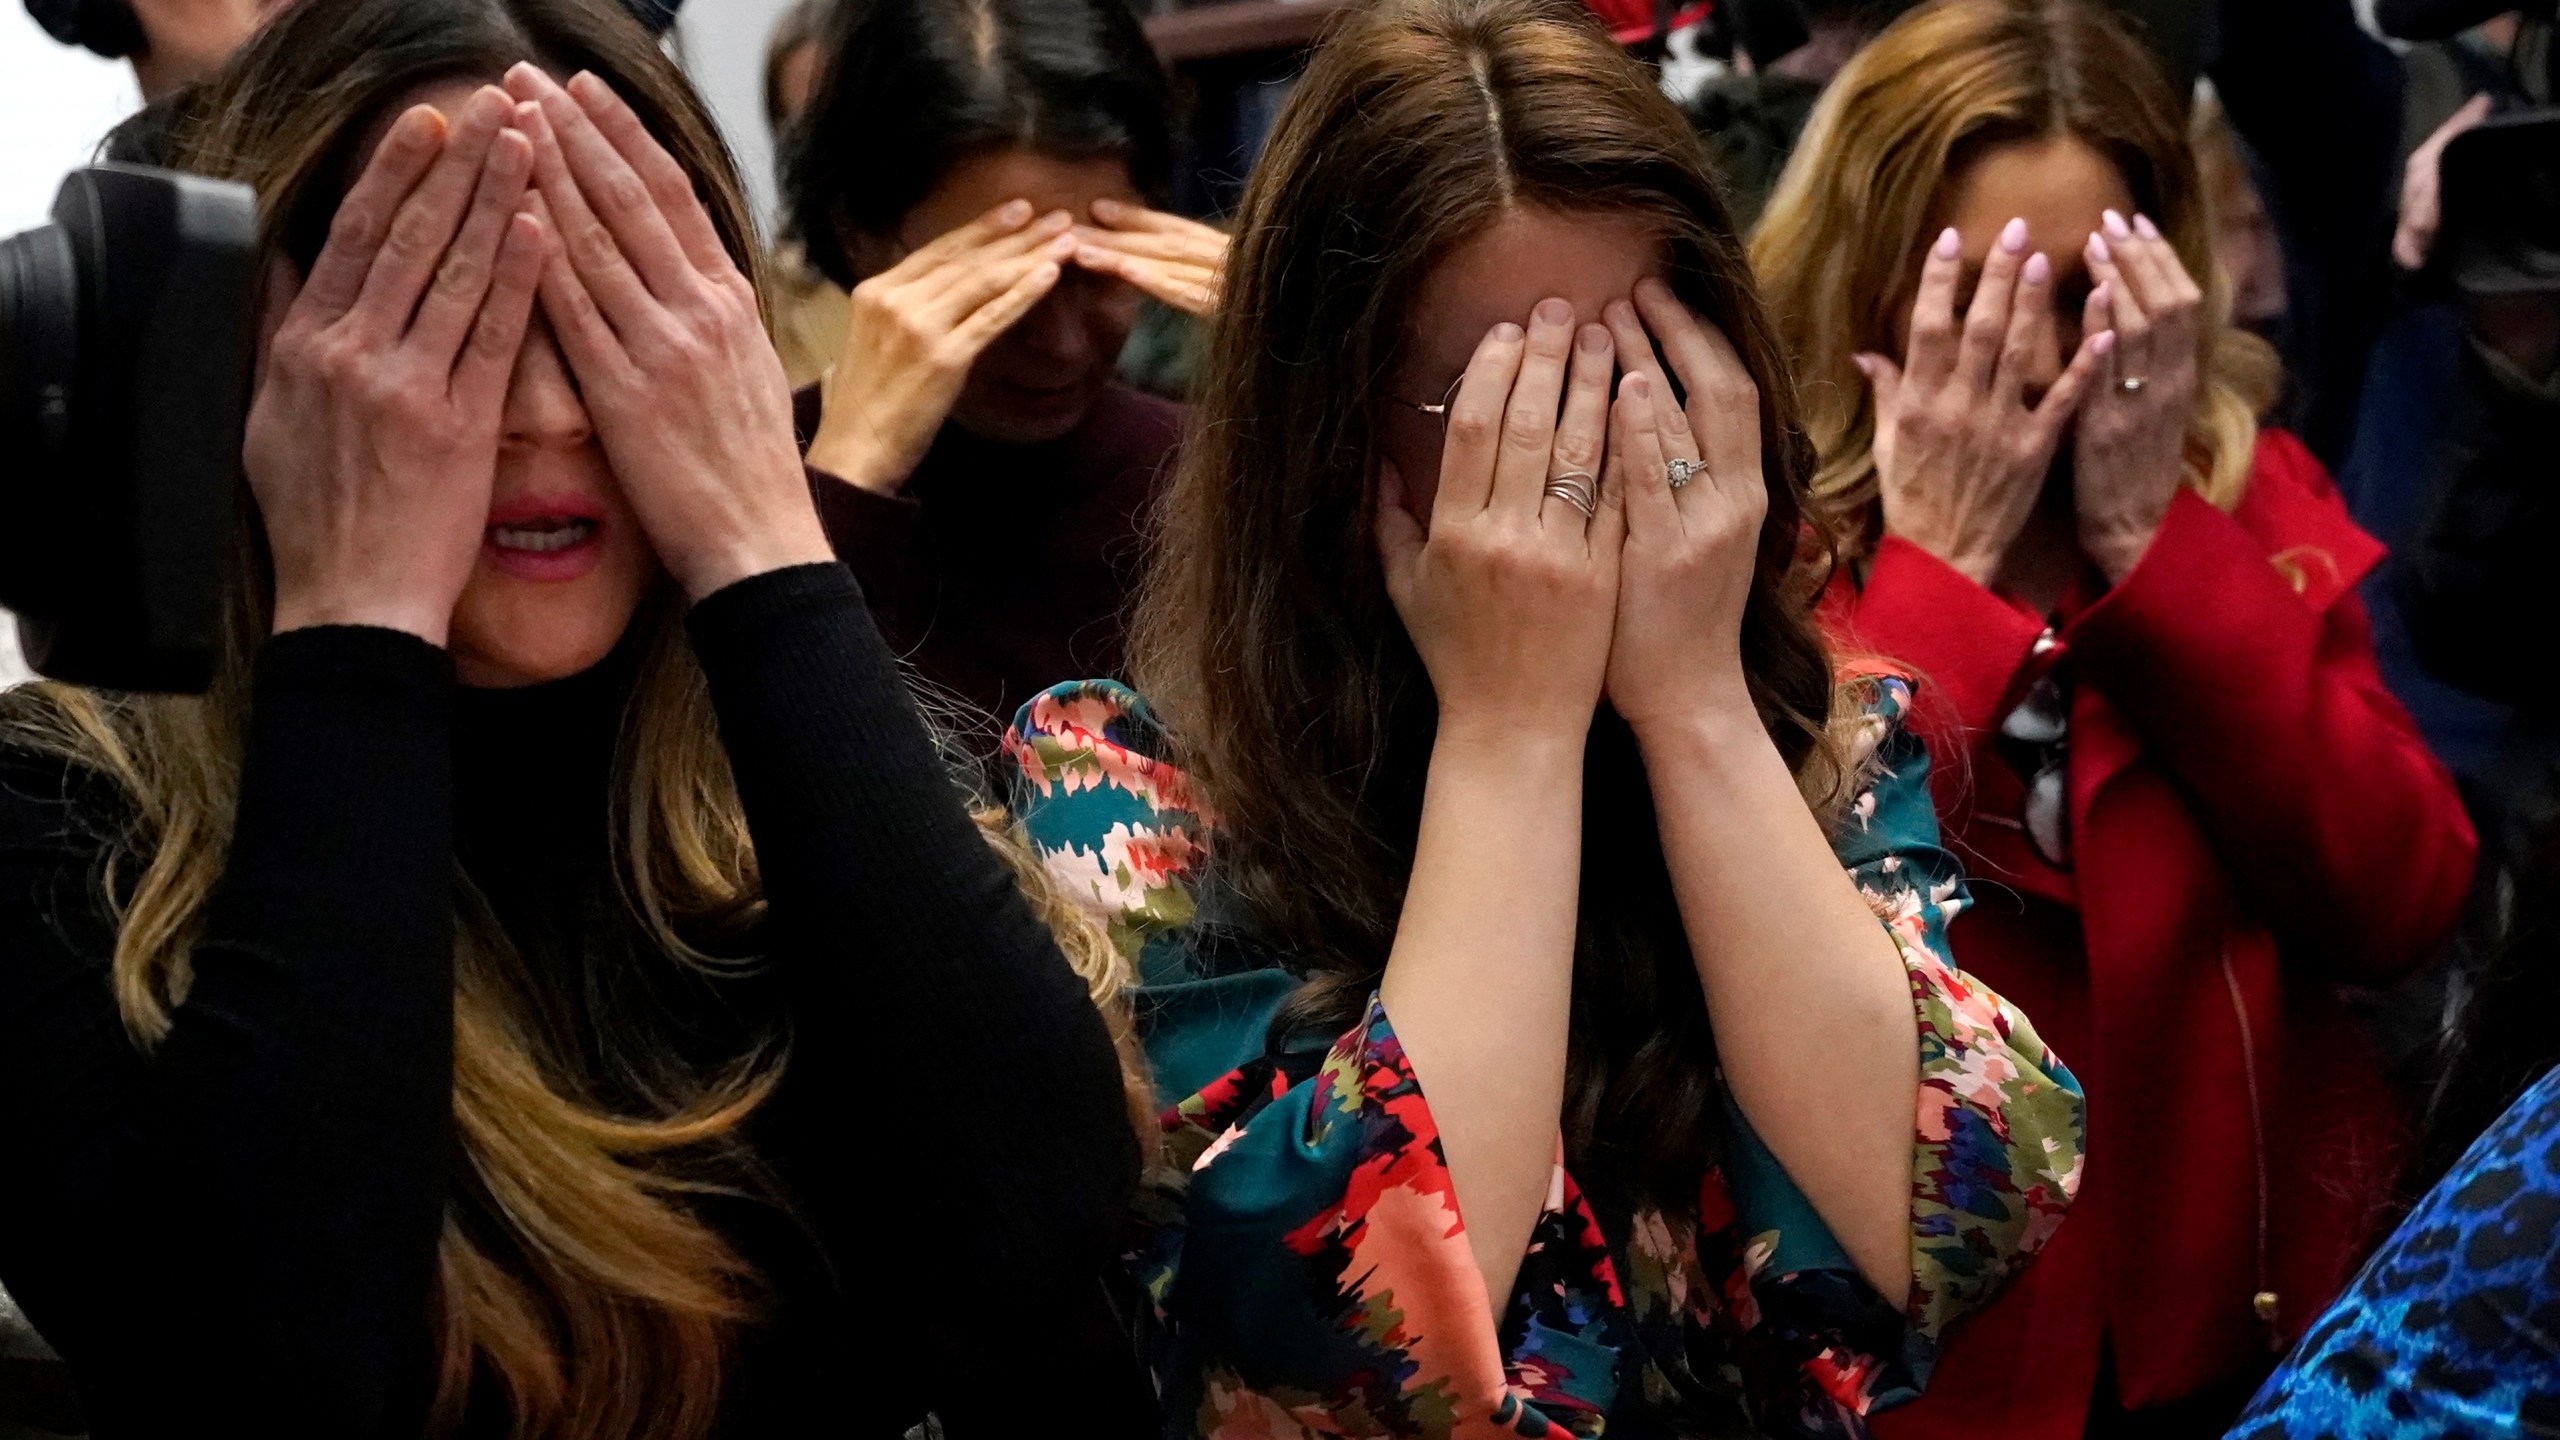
1636, 387
1552, 311
2098, 249
1950, 244
2039, 269
2102, 294
2142, 226
2013, 236
2116, 228
2104, 343
1506, 333
1866, 366
1594, 340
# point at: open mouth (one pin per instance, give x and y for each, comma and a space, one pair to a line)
543, 536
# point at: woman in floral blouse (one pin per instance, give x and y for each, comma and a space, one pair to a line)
1554, 1009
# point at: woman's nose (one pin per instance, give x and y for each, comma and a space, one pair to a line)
1057, 330
544, 409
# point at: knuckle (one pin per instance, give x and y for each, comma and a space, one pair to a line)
1473, 426
352, 225
624, 191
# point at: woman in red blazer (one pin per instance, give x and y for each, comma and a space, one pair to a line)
2190, 808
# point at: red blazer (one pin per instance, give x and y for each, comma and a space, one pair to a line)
2254, 821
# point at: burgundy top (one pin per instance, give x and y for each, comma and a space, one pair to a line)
1001, 570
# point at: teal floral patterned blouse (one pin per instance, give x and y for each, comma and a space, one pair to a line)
1307, 1260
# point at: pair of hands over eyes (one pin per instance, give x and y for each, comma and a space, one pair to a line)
1961, 456
917, 327
373, 440
1525, 613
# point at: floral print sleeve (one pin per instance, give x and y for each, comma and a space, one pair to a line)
1313, 1278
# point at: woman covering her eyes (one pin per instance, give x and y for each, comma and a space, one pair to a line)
1542, 931
2164, 738
495, 1008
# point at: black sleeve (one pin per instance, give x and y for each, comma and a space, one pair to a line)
237, 1233
2474, 570
959, 1109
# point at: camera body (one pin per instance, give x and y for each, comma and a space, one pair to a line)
125, 367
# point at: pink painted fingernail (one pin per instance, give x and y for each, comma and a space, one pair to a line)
2142, 226
2116, 228
2013, 236
2103, 344
2099, 250
2039, 269
1950, 244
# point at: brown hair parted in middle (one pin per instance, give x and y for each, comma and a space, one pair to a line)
1264, 633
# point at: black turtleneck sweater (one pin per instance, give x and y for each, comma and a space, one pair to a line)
1000, 570
237, 1231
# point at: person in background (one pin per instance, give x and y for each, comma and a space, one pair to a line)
2190, 807
810, 311
468, 1018
979, 177
1565, 1033
2245, 243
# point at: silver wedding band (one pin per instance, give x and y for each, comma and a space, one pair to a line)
1577, 488
1680, 472
2132, 384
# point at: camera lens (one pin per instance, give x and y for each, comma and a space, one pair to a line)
39, 350
125, 347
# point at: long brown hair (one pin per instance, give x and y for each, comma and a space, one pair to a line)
1264, 632
573, 1274
1837, 248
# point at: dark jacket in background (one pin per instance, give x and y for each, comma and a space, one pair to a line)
1001, 570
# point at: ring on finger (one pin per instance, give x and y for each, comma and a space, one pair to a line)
1577, 488
1679, 473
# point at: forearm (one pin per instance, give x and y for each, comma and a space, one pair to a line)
1479, 984
1807, 993
905, 945
302, 1100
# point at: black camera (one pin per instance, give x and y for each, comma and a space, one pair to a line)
2500, 182
125, 357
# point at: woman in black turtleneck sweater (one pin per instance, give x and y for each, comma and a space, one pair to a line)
512, 1000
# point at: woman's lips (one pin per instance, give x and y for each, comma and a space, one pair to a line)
544, 541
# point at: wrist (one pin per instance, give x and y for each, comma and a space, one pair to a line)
429, 622
801, 541
850, 461
1509, 735
1720, 717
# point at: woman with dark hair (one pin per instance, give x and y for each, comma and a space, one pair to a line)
979, 174
1563, 1017
469, 1017
2155, 690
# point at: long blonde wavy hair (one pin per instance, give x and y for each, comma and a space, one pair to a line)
1837, 248
572, 1268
